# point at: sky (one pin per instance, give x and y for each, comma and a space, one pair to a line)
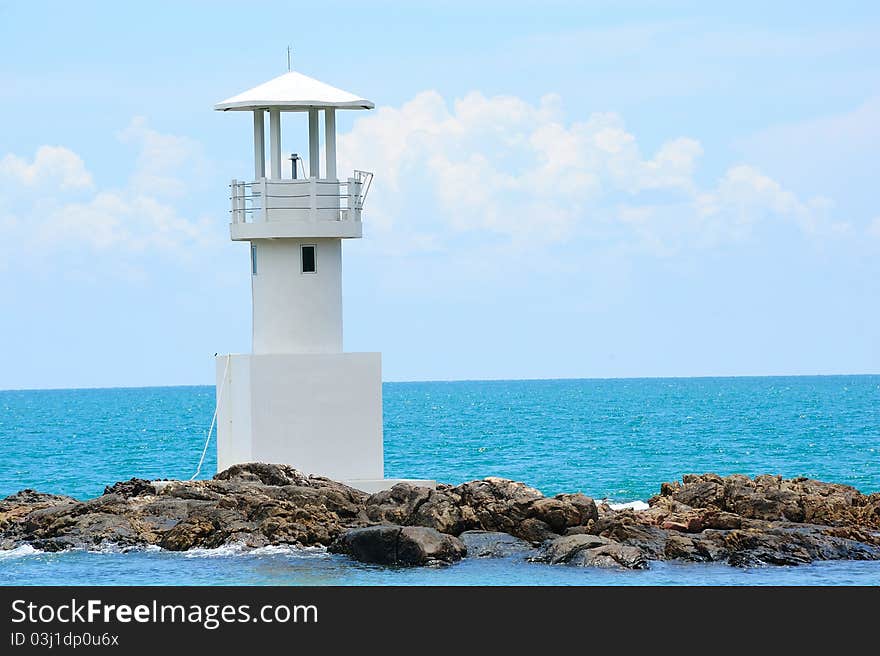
563, 189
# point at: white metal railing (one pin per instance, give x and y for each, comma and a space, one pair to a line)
311, 199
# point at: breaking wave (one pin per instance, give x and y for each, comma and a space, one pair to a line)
19, 552
238, 549
631, 505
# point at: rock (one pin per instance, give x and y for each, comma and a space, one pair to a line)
131, 488
735, 519
419, 545
492, 544
372, 544
534, 531
589, 529
564, 511
15, 508
492, 504
592, 551
410, 505
682, 547
616, 556
773, 498
389, 544
266, 474
626, 528
32, 498
562, 550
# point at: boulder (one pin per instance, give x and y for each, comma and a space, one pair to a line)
564, 511
264, 474
492, 544
131, 488
585, 550
616, 556
491, 504
419, 545
563, 549
389, 544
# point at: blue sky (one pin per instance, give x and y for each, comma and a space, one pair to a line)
571, 190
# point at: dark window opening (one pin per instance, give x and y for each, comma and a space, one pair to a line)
308, 259
253, 259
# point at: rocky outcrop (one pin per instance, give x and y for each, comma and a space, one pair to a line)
703, 518
389, 544
237, 506
492, 504
772, 498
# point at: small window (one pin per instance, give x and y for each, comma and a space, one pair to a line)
253, 259
308, 259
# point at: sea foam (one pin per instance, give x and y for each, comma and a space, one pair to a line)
630, 505
238, 549
19, 552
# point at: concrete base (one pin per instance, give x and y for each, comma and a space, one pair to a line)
320, 413
378, 485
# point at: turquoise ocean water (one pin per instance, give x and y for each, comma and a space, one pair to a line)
608, 438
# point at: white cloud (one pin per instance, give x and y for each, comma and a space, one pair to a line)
52, 167
745, 196
120, 220
63, 209
509, 168
166, 164
496, 168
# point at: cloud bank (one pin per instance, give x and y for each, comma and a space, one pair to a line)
520, 171
50, 202
498, 169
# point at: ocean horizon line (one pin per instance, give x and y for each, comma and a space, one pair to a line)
473, 380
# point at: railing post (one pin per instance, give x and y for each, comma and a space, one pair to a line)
242, 202
313, 199
264, 198
233, 197
353, 212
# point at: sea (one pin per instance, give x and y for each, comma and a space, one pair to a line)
614, 439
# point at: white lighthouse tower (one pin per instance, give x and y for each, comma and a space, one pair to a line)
298, 398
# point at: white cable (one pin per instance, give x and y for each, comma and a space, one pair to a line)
213, 420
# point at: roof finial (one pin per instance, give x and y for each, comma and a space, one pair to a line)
288, 59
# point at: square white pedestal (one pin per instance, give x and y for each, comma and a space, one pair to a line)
319, 413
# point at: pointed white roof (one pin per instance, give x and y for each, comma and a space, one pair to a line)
293, 91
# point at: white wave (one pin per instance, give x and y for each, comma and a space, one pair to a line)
239, 549
19, 552
629, 505
113, 548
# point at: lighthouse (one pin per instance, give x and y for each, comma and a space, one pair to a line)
298, 398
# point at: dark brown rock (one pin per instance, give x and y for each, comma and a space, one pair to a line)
617, 556
492, 544
736, 519
562, 550
564, 511
420, 545
592, 551
773, 498
534, 531
134, 487
389, 544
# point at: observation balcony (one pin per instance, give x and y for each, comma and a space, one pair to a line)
298, 208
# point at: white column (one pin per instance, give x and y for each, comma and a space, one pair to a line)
314, 157
330, 141
275, 142
259, 145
